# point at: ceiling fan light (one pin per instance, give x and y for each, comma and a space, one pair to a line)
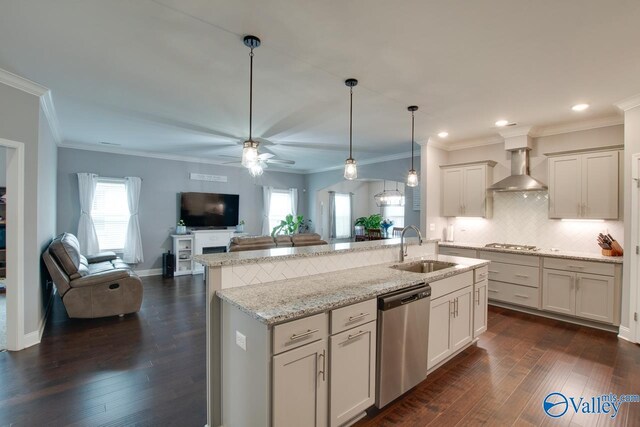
256, 170
412, 178
350, 170
249, 154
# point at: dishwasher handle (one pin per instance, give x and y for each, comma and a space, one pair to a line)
406, 296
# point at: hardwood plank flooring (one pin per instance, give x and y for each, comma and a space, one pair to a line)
148, 369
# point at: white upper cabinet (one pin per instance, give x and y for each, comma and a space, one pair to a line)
584, 185
464, 189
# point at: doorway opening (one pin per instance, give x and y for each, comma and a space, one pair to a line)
3, 248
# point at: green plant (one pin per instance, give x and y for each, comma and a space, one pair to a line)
241, 222
370, 222
181, 223
289, 225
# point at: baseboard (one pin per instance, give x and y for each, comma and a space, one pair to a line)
34, 338
625, 334
151, 272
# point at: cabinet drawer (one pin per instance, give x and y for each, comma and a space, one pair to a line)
507, 258
602, 268
450, 284
299, 332
480, 274
514, 294
467, 253
518, 274
353, 315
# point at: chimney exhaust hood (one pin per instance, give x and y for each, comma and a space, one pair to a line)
518, 142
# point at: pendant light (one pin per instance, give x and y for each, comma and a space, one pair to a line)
389, 197
250, 147
350, 167
412, 178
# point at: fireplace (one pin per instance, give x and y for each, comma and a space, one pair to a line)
214, 249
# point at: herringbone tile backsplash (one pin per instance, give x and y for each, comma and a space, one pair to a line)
522, 218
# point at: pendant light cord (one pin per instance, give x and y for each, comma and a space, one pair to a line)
251, 94
351, 123
412, 137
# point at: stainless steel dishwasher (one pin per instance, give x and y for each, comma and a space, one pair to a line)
403, 332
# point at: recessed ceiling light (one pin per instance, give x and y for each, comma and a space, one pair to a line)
443, 134
501, 123
580, 107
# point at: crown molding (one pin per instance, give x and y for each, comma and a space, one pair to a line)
599, 122
21, 83
473, 143
49, 110
516, 131
174, 157
364, 162
629, 103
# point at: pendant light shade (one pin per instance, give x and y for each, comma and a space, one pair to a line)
250, 147
256, 169
412, 178
350, 166
389, 197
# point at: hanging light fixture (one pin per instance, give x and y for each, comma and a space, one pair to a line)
350, 167
412, 178
250, 147
256, 169
389, 197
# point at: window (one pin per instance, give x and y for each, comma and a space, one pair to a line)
110, 213
343, 215
395, 214
280, 207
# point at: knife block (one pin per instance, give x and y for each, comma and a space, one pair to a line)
616, 250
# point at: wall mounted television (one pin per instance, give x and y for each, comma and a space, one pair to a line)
209, 210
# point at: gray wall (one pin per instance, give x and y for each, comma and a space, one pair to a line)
3, 167
392, 170
162, 181
20, 120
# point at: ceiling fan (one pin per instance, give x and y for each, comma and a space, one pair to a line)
264, 158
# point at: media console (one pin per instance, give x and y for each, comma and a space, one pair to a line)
199, 242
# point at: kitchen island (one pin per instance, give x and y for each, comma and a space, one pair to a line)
257, 301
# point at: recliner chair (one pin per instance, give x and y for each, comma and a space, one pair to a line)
98, 285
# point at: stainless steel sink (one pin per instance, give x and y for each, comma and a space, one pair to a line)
424, 266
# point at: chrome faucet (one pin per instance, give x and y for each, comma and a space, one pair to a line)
403, 249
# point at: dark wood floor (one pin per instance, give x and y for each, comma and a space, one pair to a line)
144, 369
149, 369
503, 379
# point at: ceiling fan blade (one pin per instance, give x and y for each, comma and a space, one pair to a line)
266, 156
232, 163
281, 161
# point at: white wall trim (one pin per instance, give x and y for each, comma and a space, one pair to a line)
33, 338
174, 157
21, 83
629, 103
626, 334
600, 122
49, 110
472, 143
150, 272
398, 156
15, 244
634, 288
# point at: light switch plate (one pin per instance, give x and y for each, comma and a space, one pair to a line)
241, 341
432, 227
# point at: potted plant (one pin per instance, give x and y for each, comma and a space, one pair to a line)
240, 226
181, 228
289, 225
365, 223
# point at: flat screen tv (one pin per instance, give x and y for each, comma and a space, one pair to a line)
209, 209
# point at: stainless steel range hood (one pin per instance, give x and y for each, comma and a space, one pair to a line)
519, 180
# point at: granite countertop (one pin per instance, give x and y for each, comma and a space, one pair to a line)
277, 254
286, 300
580, 256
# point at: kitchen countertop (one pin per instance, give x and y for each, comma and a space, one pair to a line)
580, 256
286, 300
278, 254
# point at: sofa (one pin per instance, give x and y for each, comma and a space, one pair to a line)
279, 241
92, 286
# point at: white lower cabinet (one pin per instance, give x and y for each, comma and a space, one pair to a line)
353, 373
480, 308
300, 389
450, 324
558, 293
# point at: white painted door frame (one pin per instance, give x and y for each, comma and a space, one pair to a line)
634, 273
15, 243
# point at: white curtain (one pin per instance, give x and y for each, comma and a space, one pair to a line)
332, 215
133, 243
266, 198
86, 229
293, 194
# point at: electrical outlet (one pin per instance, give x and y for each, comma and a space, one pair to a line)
241, 341
432, 227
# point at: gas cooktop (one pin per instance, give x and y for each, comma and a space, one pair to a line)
511, 247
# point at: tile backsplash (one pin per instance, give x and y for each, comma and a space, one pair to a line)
522, 218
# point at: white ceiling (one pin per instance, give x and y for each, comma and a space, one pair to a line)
171, 76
